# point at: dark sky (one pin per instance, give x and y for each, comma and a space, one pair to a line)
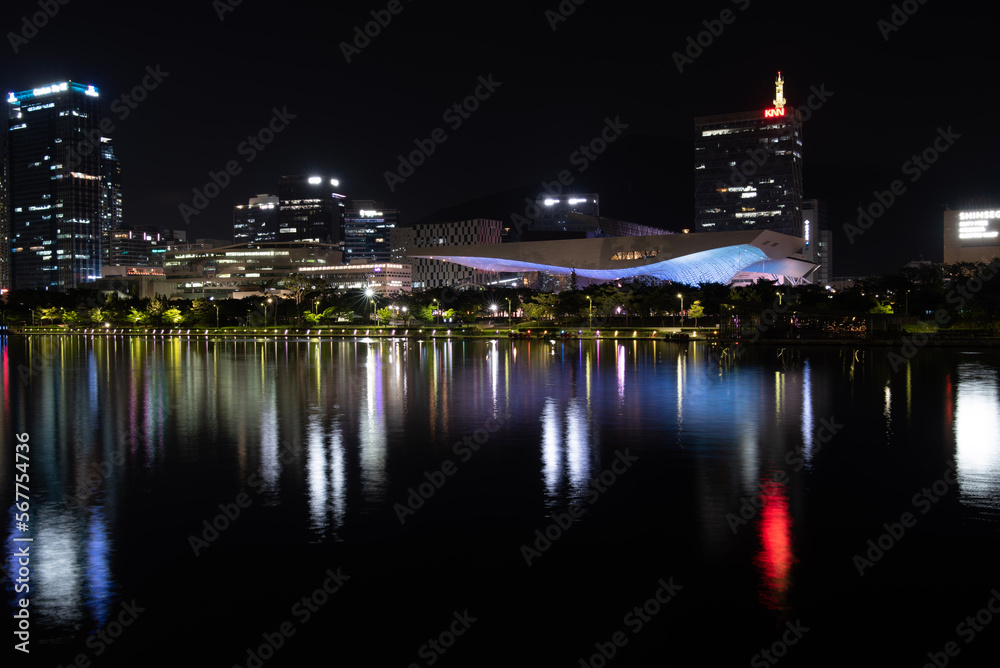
886, 100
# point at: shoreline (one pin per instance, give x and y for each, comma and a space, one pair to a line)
668, 335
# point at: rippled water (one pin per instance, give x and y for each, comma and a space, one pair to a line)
547, 488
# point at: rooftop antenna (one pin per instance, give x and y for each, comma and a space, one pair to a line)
779, 88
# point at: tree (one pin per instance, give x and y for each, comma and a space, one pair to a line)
696, 311
384, 315
137, 317
50, 314
156, 308
97, 315
174, 316
201, 311
298, 284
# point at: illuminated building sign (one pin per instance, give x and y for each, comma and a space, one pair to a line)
772, 113
976, 224
369, 213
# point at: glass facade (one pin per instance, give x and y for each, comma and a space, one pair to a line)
59, 211
748, 172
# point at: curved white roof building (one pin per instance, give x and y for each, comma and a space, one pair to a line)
711, 257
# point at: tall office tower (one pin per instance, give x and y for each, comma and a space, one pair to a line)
553, 213
111, 197
748, 170
367, 228
256, 221
56, 203
310, 209
818, 246
4, 231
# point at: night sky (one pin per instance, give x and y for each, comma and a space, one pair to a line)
888, 92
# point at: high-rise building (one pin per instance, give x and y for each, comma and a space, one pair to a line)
367, 229
256, 221
310, 209
4, 231
61, 195
748, 170
818, 240
553, 214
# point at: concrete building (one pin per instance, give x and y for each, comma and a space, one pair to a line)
971, 235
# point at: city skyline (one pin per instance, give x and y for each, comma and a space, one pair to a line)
513, 103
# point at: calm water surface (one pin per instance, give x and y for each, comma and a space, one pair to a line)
531, 498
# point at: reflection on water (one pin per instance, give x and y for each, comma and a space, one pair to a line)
776, 556
149, 432
977, 426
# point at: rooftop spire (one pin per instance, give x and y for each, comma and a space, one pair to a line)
779, 88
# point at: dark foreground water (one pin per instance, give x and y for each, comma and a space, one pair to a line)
397, 503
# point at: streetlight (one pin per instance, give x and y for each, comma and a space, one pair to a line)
590, 313
275, 313
434, 315
682, 308
370, 294
493, 307
779, 298
508, 311
315, 306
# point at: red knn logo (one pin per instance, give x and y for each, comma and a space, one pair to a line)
771, 113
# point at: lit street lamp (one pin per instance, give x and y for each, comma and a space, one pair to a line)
370, 294
682, 308
275, 313
590, 313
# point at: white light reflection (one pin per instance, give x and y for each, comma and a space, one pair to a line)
807, 413
977, 435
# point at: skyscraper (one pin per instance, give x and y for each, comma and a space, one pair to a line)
367, 227
59, 210
748, 170
310, 209
256, 221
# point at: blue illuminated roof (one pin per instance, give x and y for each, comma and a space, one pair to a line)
49, 89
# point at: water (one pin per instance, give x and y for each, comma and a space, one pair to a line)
411, 477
